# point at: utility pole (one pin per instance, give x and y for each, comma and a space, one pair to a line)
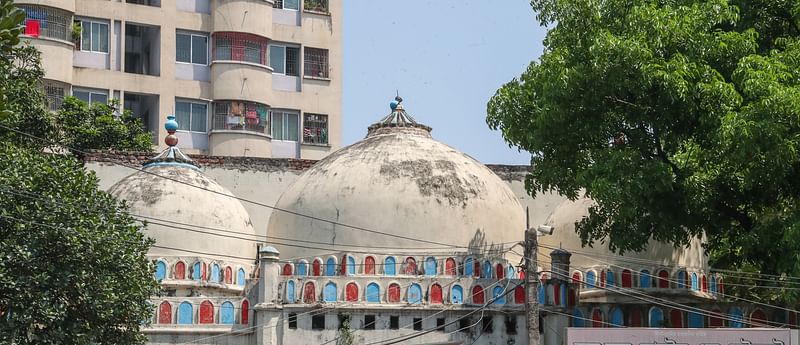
531, 286
531, 282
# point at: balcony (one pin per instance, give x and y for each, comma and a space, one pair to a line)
316, 6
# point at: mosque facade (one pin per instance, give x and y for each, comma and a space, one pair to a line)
397, 238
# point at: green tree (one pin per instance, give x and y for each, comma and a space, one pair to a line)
73, 267
677, 117
94, 126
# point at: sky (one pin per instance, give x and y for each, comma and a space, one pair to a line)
446, 58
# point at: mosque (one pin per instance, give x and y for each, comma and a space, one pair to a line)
397, 238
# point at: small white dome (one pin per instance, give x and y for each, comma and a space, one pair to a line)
400, 181
166, 199
657, 254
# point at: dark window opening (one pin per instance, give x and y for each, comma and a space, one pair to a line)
142, 49
488, 325
292, 321
440, 324
318, 321
511, 324
394, 322
369, 321
417, 323
464, 324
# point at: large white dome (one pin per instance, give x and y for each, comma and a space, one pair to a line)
397, 180
167, 199
657, 254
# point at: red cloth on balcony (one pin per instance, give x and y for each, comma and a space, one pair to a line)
32, 27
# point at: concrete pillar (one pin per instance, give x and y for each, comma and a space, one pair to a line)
555, 329
267, 309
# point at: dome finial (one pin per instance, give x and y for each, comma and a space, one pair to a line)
171, 126
395, 105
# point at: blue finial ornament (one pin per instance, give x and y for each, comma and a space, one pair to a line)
171, 124
393, 105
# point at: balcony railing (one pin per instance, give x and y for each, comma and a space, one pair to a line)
241, 116
239, 46
47, 22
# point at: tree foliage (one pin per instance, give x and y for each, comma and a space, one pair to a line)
677, 117
74, 268
73, 264
94, 126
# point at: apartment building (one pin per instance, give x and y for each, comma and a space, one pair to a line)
258, 78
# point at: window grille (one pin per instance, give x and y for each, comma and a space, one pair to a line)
55, 92
239, 46
47, 22
315, 128
316, 62
316, 5
243, 116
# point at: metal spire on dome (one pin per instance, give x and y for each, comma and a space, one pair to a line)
172, 155
397, 118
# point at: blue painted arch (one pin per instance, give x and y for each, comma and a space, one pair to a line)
226, 314
645, 279
695, 320
681, 284
161, 270
590, 279
373, 294
540, 294
215, 273
713, 284
290, 291
578, 320
430, 266
457, 296
510, 272
656, 317
389, 266
197, 271
487, 269
185, 314
694, 281
617, 318
301, 268
329, 293
469, 267
240, 277
736, 318
351, 265
414, 294
610, 278
330, 266
497, 293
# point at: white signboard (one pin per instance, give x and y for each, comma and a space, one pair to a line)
681, 336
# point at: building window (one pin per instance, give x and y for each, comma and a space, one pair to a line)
191, 116
369, 322
47, 22
55, 92
285, 125
191, 48
417, 323
316, 62
464, 324
91, 96
293, 321
511, 324
287, 4
94, 36
316, 6
318, 322
315, 129
487, 325
237, 46
440, 324
394, 322
245, 116
284, 60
